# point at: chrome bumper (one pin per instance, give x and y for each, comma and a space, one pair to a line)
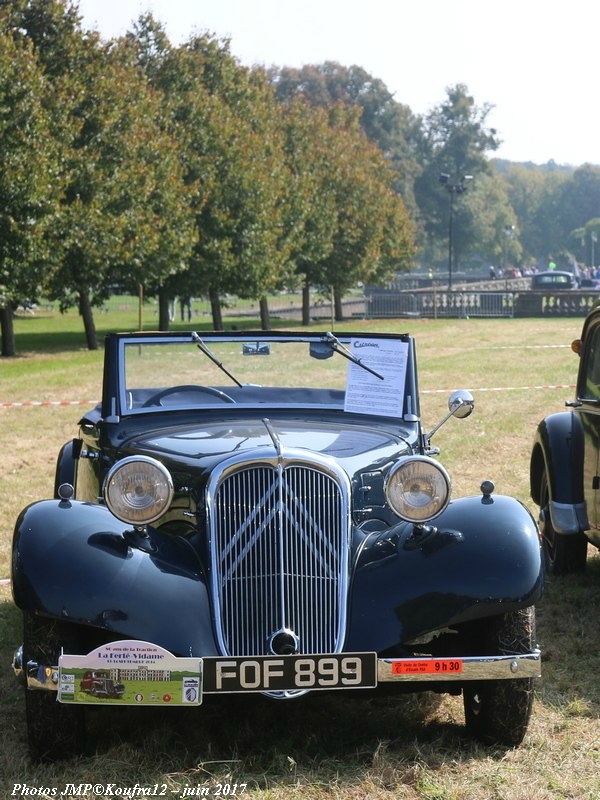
389, 670
461, 670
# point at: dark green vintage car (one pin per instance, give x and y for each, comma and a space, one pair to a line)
565, 467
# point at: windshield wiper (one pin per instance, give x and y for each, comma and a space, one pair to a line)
336, 345
201, 346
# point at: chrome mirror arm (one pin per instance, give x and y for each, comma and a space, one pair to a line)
460, 405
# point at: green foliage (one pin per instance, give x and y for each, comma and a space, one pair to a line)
455, 141
228, 136
310, 212
175, 169
535, 198
386, 122
29, 188
365, 245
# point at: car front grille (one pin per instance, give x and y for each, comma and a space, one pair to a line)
279, 537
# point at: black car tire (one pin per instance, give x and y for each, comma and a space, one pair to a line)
563, 554
498, 712
55, 730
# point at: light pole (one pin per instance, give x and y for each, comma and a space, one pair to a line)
508, 234
452, 189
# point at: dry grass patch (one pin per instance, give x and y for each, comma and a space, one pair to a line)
411, 748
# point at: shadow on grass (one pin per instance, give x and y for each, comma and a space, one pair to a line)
256, 728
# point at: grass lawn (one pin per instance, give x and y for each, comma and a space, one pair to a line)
413, 748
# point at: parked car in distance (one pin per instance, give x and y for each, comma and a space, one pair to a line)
553, 280
265, 513
564, 479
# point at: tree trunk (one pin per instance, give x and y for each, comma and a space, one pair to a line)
265, 319
87, 315
215, 307
338, 308
306, 302
163, 310
7, 330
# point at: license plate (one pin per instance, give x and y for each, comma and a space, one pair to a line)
288, 673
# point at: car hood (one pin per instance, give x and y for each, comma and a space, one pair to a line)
201, 446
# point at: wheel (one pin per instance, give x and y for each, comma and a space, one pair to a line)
155, 400
563, 554
498, 712
55, 730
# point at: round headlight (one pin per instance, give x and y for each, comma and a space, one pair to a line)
138, 490
417, 489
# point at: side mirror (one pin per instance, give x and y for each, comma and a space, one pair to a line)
461, 404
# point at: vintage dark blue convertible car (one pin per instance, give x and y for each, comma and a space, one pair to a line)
264, 512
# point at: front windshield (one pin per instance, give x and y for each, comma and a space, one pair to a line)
362, 374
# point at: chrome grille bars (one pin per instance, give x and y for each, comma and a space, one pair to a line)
279, 539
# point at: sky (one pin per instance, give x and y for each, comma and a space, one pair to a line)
535, 62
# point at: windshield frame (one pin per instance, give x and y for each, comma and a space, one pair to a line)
117, 402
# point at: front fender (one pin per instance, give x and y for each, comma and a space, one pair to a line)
558, 447
72, 561
558, 451
481, 558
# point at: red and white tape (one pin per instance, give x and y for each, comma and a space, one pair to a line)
36, 403
505, 388
55, 403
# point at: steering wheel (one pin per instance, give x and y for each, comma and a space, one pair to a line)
155, 399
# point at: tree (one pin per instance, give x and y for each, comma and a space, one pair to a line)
123, 207
225, 120
386, 122
165, 226
492, 223
579, 198
246, 214
372, 235
29, 187
348, 178
124, 216
455, 141
310, 210
584, 242
534, 194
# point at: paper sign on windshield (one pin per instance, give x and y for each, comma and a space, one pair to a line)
368, 394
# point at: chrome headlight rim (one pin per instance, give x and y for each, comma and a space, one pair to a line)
419, 511
153, 503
